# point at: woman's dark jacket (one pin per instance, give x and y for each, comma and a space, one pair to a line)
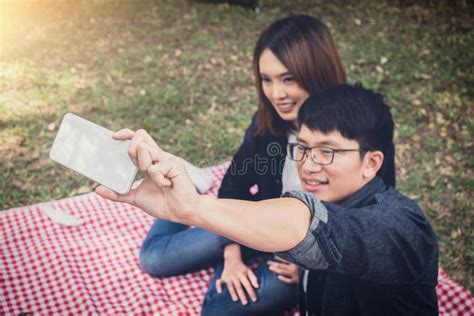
259, 161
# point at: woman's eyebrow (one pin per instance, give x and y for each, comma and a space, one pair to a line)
283, 74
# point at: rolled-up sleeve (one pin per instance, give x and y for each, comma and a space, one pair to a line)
308, 253
386, 240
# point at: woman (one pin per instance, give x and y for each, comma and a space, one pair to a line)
293, 58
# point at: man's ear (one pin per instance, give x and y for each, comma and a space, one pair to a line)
372, 163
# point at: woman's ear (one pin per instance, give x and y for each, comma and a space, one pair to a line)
372, 163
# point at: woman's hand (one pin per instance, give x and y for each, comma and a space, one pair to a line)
287, 272
166, 191
239, 279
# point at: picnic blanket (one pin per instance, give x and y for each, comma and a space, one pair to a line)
93, 267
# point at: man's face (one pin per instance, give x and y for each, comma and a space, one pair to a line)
340, 179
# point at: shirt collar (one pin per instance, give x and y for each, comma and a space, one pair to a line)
364, 195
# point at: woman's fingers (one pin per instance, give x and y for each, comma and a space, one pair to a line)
278, 268
232, 292
236, 291
249, 288
219, 286
240, 291
287, 272
287, 280
253, 278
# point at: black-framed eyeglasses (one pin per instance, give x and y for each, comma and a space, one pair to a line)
319, 155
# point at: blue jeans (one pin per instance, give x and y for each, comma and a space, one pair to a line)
172, 249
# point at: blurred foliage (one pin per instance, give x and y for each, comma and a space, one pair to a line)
182, 70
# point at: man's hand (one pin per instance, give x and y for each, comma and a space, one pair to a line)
166, 191
287, 271
237, 277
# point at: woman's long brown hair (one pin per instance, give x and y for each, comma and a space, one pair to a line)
305, 47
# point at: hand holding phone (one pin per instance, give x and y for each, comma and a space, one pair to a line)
166, 191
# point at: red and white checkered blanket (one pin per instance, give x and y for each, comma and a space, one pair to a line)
93, 268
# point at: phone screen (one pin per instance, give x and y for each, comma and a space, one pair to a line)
89, 149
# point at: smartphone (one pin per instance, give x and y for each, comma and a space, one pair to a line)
90, 150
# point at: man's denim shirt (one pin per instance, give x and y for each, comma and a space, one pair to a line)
375, 253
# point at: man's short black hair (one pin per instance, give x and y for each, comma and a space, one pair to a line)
358, 114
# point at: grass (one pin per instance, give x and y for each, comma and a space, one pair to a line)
182, 70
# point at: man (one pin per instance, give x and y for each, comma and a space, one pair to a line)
367, 249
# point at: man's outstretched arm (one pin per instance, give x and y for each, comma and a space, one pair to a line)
166, 192
271, 225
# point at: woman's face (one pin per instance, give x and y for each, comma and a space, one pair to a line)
280, 86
